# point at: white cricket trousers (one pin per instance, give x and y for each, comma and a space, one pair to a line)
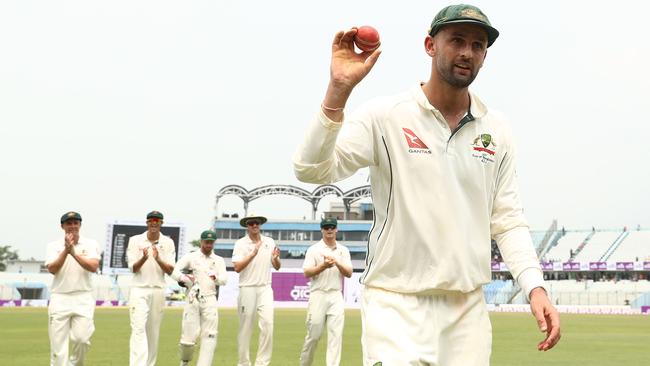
146, 305
252, 300
200, 317
446, 329
326, 308
70, 324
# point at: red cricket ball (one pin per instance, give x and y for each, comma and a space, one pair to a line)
367, 38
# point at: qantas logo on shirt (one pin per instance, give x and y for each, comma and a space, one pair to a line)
414, 143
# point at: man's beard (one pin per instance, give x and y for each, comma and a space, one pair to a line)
448, 76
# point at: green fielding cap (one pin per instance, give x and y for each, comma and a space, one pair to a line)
208, 235
463, 13
329, 221
155, 214
71, 215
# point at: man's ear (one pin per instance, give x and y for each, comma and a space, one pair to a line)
430, 46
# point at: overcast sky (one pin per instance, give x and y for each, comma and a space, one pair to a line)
116, 108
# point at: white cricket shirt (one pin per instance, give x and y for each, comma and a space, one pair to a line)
202, 267
438, 198
258, 270
150, 274
329, 279
72, 277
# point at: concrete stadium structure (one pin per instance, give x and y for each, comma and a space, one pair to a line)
583, 267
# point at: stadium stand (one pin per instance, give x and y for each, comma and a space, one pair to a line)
25, 285
606, 282
636, 247
596, 246
498, 291
538, 238
567, 244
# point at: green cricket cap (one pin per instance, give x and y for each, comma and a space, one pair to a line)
155, 214
328, 221
70, 215
463, 13
208, 235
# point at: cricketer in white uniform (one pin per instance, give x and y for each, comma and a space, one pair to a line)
252, 258
72, 260
150, 255
206, 271
326, 262
442, 172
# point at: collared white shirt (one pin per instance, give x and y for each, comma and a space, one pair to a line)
150, 274
202, 268
329, 279
258, 270
72, 277
439, 195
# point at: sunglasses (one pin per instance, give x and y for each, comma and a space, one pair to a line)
329, 227
252, 223
154, 220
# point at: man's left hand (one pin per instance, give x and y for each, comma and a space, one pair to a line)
548, 319
330, 261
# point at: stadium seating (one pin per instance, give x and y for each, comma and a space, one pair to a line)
568, 243
635, 247
596, 246
580, 246
498, 291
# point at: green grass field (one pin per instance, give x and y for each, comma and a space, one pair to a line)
597, 340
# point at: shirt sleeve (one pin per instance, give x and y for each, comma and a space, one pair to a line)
332, 151
53, 252
272, 246
518, 253
182, 264
507, 211
530, 279
347, 260
310, 259
222, 275
509, 227
171, 252
238, 252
